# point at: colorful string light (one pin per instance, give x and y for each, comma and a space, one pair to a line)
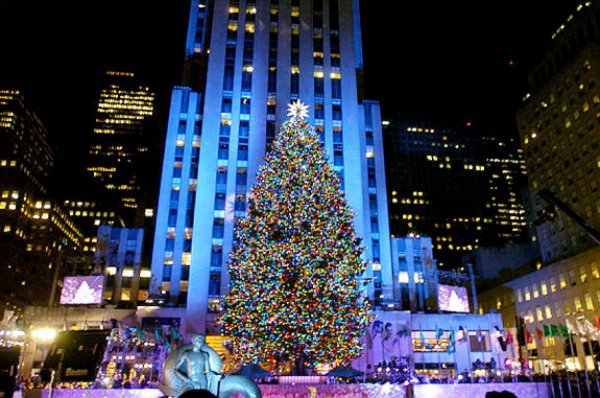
294, 289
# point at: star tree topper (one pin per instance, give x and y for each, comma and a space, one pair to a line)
297, 110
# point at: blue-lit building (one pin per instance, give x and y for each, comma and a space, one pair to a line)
246, 60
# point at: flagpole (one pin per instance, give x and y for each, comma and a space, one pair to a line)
422, 352
543, 367
587, 379
469, 368
551, 334
453, 341
437, 343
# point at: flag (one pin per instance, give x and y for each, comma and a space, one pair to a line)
424, 342
509, 337
587, 329
570, 326
550, 330
598, 321
438, 334
528, 337
450, 348
461, 334
539, 333
500, 338
175, 333
564, 330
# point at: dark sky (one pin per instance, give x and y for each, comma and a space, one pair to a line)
453, 57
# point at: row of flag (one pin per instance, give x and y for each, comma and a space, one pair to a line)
582, 327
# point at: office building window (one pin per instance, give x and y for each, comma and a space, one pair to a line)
337, 112
226, 105
243, 152
228, 78
593, 264
240, 202
562, 281
222, 175
336, 89
583, 274
244, 130
589, 304
338, 158
246, 81
167, 270
241, 177
218, 228
544, 288
219, 201
319, 87
214, 287
223, 151
245, 106
553, 285
216, 257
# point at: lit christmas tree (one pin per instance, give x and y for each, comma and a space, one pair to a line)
294, 292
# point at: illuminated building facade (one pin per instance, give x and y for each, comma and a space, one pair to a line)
37, 237
263, 55
462, 189
414, 274
118, 256
564, 292
120, 149
89, 215
560, 132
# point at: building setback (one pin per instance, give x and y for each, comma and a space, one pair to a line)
559, 129
121, 147
37, 237
462, 188
258, 56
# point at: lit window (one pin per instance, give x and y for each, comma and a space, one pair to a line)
582, 274
519, 296
589, 304
527, 294
403, 277
578, 306
544, 288
562, 281
539, 314
553, 285
548, 312
595, 273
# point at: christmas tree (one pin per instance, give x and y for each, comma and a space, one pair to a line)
294, 293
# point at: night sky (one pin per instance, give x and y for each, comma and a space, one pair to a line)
453, 56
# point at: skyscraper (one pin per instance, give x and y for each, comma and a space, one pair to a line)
258, 56
462, 188
36, 236
118, 156
559, 129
